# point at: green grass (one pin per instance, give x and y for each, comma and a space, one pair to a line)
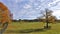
14, 28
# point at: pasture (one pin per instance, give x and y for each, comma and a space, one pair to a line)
32, 28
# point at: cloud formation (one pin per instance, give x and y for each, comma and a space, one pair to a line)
30, 9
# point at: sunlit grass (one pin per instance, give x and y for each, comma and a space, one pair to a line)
18, 26
55, 28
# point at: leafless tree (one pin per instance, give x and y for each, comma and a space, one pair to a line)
48, 17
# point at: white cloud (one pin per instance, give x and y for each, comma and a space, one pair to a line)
31, 0
27, 6
56, 12
17, 1
53, 3
38, 7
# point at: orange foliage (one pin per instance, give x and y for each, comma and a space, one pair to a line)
4, 14
51, 19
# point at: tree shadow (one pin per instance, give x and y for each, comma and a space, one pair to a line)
32, 30
27, 30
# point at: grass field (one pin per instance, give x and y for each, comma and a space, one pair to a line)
32, 28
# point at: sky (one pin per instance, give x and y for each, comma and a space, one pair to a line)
30, 9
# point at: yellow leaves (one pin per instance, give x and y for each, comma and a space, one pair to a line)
4, 12
51, 19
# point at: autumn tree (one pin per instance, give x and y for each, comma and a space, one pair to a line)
5, 17
48, 17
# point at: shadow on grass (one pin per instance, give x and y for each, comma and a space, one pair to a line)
32, 30
27, 30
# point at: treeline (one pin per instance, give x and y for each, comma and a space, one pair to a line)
25, 20
35, 20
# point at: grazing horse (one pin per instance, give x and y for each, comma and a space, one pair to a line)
5, 17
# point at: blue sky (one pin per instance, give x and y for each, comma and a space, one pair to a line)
30, 9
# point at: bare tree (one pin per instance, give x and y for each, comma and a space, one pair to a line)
49, 18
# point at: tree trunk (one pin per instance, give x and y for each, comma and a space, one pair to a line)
46, 19
3, 28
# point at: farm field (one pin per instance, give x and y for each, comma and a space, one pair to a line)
32, 28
